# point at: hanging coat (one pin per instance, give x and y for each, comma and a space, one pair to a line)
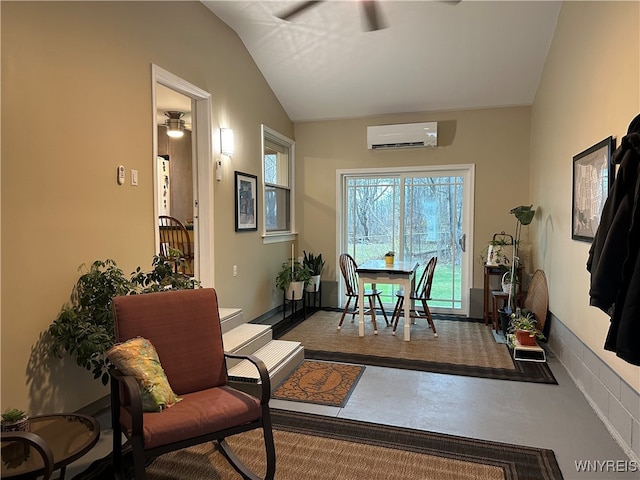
614, 257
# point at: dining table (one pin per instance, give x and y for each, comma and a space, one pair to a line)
399, 272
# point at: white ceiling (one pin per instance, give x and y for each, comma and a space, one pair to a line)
434, 55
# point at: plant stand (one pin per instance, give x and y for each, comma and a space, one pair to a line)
316, 296
292, 302
527, 353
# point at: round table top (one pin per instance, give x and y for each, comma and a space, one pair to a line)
69, 436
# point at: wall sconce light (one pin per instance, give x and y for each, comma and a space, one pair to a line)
226, 142
174, 124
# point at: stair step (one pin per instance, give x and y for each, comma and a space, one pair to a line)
275, 354
245, 339
244, 334
230, 318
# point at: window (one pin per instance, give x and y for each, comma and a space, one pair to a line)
278, 174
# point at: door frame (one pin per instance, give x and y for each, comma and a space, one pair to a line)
202, 146
465, 170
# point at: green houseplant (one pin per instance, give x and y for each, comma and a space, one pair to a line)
14, 420
292, 278
84, 328
315, 265
523, 327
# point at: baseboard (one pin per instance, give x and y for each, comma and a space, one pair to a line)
615, 402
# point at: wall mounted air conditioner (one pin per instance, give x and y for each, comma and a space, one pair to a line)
403, 135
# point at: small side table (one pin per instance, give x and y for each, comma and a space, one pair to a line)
69, 437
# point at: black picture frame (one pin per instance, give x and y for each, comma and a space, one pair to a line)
593, 175
246, 202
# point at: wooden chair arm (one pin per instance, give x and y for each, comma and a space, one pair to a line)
265, 393
38, 443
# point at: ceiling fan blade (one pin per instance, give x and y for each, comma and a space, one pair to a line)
301, 7
372, 13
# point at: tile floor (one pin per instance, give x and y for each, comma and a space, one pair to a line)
557, 417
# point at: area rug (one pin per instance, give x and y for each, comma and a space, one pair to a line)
313, 447
322, 383
463, 347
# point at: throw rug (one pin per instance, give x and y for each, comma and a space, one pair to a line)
463, 347
323, 383
314, 447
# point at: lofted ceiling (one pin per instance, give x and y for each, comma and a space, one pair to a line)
433, 55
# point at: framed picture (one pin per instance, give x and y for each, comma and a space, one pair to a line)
593, 175
246, 202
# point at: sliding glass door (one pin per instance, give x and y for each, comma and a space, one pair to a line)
417, 213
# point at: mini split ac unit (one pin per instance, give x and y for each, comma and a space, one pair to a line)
404, 135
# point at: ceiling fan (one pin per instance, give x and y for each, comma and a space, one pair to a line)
369, 7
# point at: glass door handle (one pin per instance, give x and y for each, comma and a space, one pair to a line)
463, 242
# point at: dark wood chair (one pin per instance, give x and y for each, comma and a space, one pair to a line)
422, 294
348, 268
175, 244
184, 327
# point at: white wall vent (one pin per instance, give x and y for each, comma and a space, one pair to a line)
403, 135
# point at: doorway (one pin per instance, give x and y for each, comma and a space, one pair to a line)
194, 201
418, 213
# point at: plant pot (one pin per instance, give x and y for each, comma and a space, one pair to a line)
388, 259
525, 339
294, 292
17, 426
314, 284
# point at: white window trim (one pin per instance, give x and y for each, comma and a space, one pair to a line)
277, 237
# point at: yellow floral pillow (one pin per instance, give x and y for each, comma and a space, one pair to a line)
138, 357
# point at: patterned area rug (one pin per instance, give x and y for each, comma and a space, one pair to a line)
313, 447
322, 383
463, 347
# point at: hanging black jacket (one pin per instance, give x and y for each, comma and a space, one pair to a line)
614, 257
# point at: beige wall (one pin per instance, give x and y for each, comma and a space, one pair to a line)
590, 90
76, 102
495, 140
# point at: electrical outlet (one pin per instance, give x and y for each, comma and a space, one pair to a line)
235, 270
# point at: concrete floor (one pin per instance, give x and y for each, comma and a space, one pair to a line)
556, 417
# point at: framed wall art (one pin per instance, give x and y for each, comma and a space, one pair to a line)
246, 202
593, 174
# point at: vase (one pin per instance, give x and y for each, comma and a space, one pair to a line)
388, 259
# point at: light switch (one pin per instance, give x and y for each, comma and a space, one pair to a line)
134, 178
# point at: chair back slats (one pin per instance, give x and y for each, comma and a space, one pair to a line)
174, 236
424, 286
184, 327
348, 268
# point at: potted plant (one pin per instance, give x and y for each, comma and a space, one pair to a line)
523, 327
292, 279
14, 420
84, 328
315, 265
389, 257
